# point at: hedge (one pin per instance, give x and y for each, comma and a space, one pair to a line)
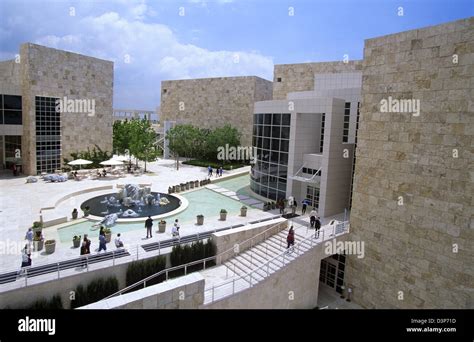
96, 290
139, 270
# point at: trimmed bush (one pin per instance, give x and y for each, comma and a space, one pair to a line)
183, 254
54, 303
96, 290
139, 270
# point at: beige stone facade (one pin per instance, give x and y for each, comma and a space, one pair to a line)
54, 73
288, 78
413, 186
214, 102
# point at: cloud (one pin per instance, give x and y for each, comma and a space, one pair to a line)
146, 52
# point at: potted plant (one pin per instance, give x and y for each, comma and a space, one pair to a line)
187, 185
273, 205
200, 220
108, 234
50, 246
178, 188
161, 226
74, 214
191, 185
37, 227
38, 241
223, 214
76, 241
243, 211
86, 211
196, 184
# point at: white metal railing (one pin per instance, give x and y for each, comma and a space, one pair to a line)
267, 233
337, 230
83, 263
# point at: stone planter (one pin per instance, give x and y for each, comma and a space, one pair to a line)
38, 245
178, 188
243, 211
161, 227
50, 247
223, 216
74, 215
39, 229
187, 186
200, 220
196, 184
76, 243
108, 237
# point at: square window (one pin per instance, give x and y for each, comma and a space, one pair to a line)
278, 79
276, 119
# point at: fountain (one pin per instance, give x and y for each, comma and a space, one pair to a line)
131, 201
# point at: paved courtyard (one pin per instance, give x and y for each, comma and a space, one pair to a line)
20, 205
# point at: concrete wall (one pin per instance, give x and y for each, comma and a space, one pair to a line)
10, 78
412, 247
300, 77
55, 73
214, 102
226, 240
295, 286
185, 292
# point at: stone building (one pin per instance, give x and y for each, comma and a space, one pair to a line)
34, 131
214, 102
413, 186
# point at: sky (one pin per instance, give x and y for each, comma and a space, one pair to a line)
151, 41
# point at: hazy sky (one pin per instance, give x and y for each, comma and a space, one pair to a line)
151, 41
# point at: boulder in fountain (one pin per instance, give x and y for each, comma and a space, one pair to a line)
109, 220
129, 213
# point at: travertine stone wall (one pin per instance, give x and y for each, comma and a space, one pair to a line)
214, 102
56, 73
300, 77
413, 185
10, 78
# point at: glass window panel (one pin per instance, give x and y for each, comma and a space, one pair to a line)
284, 158
285, 132
267, 131
260, 119
266, 143
286, 118
276, 119
276, 132
276, 144
268, 119
12, 102
284, 145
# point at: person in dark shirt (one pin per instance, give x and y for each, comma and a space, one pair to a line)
148, 225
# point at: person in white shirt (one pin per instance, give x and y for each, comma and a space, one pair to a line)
175, 230
118, 241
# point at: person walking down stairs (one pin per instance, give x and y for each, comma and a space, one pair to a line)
290, 239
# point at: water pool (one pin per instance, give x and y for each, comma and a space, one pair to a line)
202, 201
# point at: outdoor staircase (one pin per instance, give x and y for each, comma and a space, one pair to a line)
252, 266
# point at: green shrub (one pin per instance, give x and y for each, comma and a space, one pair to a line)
96, 290
54, 303
96, 155
139, 270
183, 254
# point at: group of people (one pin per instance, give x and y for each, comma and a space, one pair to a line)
211, 171
102, 173
149, 226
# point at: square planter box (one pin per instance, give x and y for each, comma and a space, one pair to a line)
50, 248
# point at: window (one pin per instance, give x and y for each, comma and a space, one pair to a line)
164, 91
312, 195
347, 115
10, 110
48, 135
321, 140
278, 79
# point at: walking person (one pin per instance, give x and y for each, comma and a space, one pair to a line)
312, 217
25, 260
29, 237
317, 226
84, 252
305, 204
281, 206
88, 244
175, 229
220, 171
102, 243
294, 205
209, 171
148, 225
290, 239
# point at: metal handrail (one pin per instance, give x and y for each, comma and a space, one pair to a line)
135, 252
174, 268
281, 255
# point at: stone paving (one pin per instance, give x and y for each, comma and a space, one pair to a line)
20, 205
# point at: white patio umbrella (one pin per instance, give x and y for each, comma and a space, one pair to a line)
120, 158
111, 162
79, 162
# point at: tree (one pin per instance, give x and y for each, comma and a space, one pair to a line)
219, 137
185, 141
143, 141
